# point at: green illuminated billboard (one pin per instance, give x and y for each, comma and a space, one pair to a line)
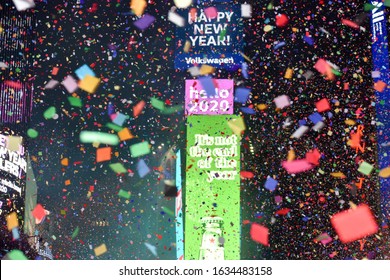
212, 190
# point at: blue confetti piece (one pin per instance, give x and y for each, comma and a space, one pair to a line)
207, 85
83, 71
279, 45
270, 184
244, 70
241, 95
309, 40
248, 110
301, 122
142, 168
120, 119
315, 118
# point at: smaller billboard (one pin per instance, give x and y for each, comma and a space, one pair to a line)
200, 102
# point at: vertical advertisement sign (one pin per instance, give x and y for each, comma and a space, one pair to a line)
381, 75
212, 204
211, 35
13, 168
199, 102
179, 211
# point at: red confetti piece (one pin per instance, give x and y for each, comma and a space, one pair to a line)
354, 224
259, 234
281, 20
283, 211
323, 105
39, 212
247, 174
313, 156
13, 84
350, 23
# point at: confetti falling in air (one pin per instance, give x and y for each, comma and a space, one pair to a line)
108, 105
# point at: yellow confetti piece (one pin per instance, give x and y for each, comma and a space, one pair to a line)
206, 69
187, 46
349, 122
12, 221
385, 172
352, 205
291, 155
338, 175
268, 28
245, 57
89, 83
262, 107
100, 250
288, 73
95, 144
138, 7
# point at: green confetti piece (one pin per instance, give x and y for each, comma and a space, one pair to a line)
75, 101
49, 113
168, 211
32, 133
124, 194
99, 137
16, 255
222, 34
158, 104
172, 109
365, 168
140, 149
118, 168
75, 232
114, 127
387, 3
368, 7
337, 73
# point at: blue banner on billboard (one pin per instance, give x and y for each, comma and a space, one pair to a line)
380, 57
211, 35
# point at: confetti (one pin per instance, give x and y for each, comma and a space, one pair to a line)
354, 224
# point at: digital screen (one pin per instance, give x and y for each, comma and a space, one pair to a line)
200, 102
13, 168
212, 35
212, 190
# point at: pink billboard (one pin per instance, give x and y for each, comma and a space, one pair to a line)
217, 101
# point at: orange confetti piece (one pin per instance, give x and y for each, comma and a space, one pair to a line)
385, 172
137, 109
125, 134
65, 161
338, 175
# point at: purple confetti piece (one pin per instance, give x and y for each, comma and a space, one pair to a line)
144, 22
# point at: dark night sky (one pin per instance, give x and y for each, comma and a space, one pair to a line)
141, 68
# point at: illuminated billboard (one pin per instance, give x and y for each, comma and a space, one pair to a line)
381, 77
13, 168
212, 191
209, 35
200, 102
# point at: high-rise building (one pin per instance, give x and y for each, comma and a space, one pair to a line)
16, 97
16, 63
